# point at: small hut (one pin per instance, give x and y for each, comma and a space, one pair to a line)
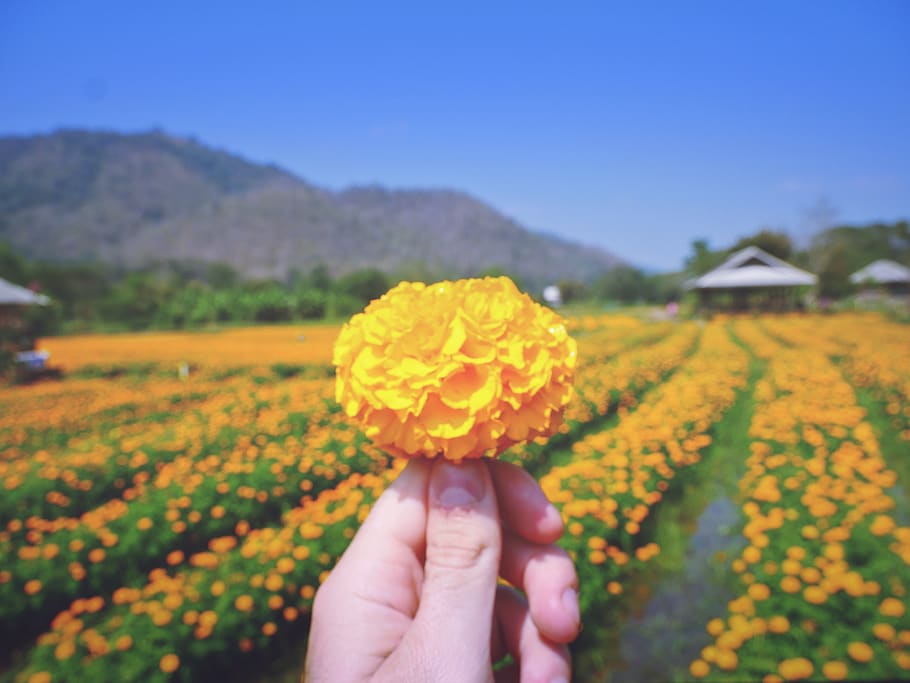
17, 339
752, 279
883, 275
13, 299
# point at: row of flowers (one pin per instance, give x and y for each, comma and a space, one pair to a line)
614, 478
228, 348
874, 354
69, 467
613, 374
202, 617
823, 572
128, 444
232, 477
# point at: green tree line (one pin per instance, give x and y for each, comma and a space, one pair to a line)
833, 254
196, 294
182, 295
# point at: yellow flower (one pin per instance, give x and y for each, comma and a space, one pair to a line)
460, 369
169, 663
699, 668
892, 607
795, 669
835, 670
861, 652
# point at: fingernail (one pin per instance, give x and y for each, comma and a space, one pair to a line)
554, 513
570, 602
456, 486
559, 680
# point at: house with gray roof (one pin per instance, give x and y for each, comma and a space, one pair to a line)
883, 275
752, 279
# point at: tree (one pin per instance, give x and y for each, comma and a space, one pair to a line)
623, 283
319, 278
364, 285
775, 242
572, 290
702, 258
838, 252
12, 266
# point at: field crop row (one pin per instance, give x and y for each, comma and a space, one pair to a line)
614, 478
137, 435
209, 491
823, 573
189, 622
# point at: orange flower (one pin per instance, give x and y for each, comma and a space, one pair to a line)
169, 663
892, 607
699, 668
795, 669
861, 652
884, 632
834, 671
243, 603
459, 369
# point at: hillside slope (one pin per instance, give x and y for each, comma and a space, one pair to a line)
133, 199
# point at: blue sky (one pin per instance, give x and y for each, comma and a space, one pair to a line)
637, 127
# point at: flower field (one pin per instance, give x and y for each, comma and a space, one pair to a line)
171, 505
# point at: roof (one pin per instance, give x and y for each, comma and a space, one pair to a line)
882, 271
752, 267
11, 294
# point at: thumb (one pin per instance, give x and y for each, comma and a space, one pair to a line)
464, 540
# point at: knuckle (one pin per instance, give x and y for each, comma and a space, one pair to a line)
461, 546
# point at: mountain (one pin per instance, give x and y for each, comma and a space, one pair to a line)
134, 199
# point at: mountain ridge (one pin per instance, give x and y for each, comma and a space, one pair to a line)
132, 199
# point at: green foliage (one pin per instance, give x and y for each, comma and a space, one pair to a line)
364, 285
12, 266
624, 284
573, 291
190, 294
310, 304
838, 252
702, 259
774, 242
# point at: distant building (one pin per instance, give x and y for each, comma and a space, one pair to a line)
14, 295
13, 299
752, 279
552, 295
886, 275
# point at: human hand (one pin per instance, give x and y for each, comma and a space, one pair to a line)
415, 596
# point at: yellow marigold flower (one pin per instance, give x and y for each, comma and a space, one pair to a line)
699, 668
892, 607
778, 624
861, 652
727, 659
169, 663
243, 603
834, 670
715, 627
65, 650
460, 369
881, 525
795, 669
884, 632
